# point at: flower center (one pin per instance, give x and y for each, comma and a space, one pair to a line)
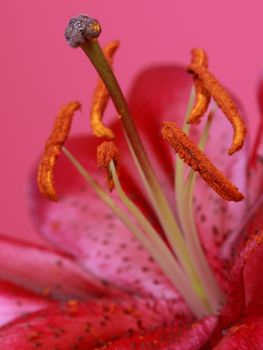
182, 260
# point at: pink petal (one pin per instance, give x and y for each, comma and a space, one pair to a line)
15, 302
162, 93
83, 226
87, 325
172, 337
45, 271
245, 335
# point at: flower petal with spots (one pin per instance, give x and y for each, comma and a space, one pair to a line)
88, 325
46, 271
193, 337
82, 225
16, 301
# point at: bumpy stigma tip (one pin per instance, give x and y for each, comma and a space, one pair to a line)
80, 29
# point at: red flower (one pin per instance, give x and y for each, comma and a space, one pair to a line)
103, 289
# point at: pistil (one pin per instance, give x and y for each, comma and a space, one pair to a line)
92, 49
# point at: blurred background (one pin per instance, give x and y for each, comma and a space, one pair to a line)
39, 72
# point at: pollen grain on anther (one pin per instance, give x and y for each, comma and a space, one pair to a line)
101, 98
52, 150
225, 103
198, 161
203, 97
107, 151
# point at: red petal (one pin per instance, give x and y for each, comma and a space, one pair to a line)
82, 225
246, 283
254, 223
245, 335
257, 147
162, 93
253, 278
255, 171
87, 325
157, 94
15, 302
172, 338
45, 271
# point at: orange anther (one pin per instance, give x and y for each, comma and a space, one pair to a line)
45, 177
225, 103
202, 101
203, 97
198, 161
199, 57
107, 152
101, 98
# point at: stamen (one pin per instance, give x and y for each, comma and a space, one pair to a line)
101, 98
202, 95
179, 164
45, 177
199, 57
183, 195
225, 103
197, 160
213, 291
107, 152
164, 261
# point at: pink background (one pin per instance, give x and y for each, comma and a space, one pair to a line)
39, 72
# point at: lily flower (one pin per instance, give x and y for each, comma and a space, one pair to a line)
164, 254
